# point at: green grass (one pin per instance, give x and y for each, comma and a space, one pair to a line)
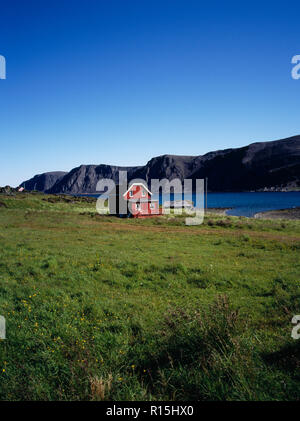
104, 308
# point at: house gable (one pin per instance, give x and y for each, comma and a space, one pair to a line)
137, 191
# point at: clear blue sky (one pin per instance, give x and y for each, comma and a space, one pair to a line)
119, 82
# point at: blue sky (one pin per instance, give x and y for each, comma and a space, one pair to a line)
119, 82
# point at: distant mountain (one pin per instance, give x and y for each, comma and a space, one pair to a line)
259, 166
43, 182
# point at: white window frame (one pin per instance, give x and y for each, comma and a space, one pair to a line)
130, 193
143, 192
138, 206
152, 205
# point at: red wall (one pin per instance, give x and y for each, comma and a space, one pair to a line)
145, 209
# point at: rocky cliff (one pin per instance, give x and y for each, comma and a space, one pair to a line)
43, 182
258, 166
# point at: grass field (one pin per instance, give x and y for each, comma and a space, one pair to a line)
102, 308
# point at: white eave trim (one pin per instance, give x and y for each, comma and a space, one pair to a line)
138, 184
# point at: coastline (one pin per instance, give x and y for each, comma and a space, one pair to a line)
289, 213
218, 211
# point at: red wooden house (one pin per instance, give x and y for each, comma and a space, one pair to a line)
134, 201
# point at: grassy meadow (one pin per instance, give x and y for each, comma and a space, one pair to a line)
102, 308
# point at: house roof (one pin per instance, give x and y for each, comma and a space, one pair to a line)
138, 184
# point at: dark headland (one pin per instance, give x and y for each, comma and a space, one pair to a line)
260, 166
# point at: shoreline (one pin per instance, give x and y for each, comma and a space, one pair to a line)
287, 213
218, 211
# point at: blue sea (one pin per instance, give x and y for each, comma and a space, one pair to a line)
247, 204
242, 204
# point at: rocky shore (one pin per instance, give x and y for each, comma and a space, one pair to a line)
293, 213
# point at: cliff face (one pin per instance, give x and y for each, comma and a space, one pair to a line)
257, 166
84, 179
43, 182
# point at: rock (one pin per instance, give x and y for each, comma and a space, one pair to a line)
43, 182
